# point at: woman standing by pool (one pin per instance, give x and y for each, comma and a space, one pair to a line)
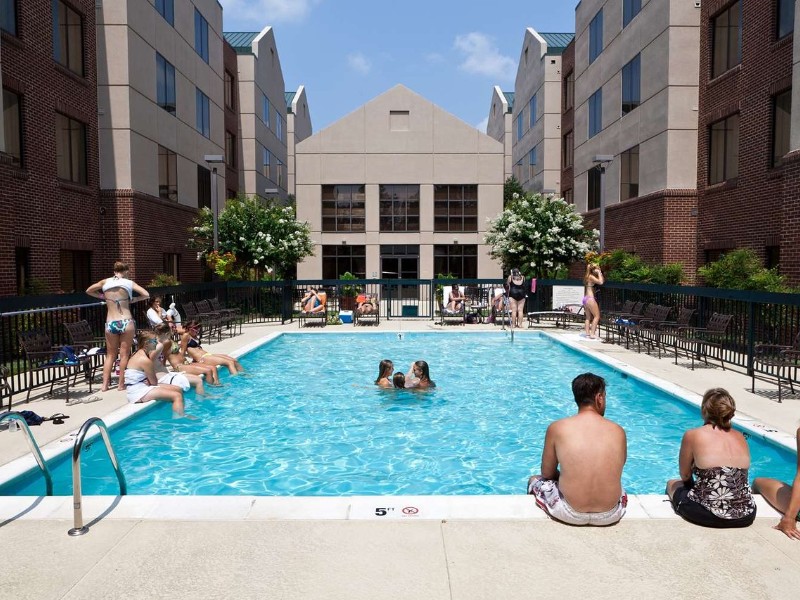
118, 292
517, 296
784, 498
593, 277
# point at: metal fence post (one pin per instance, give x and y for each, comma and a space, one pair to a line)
751, 335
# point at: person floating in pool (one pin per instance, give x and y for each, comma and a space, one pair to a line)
190, 344
399, 380
784, 498
385, 369
419, 376
590, 451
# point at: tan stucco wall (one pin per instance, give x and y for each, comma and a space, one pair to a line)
298, 128
498, 126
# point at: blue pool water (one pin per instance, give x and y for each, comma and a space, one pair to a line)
309, 421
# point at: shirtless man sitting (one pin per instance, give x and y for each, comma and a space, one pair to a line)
591, 451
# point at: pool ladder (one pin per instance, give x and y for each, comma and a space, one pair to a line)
37, 454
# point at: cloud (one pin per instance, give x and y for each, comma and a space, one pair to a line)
434, 58
483, 58
266, 12
482, 125
359, 63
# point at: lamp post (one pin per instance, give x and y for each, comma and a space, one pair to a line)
602, 161
214, 160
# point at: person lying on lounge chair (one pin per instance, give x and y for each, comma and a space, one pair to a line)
313, 301
367, 304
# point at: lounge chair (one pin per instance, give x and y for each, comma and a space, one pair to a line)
695, 341
318, 316
564, 316
85, 343
58, 361
449, 315
776, 363
372, 317
5, 389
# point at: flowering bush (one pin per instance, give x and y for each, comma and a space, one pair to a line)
222, 264
538, 235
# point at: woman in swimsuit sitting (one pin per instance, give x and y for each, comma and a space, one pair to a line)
517, 296
178, 361
141, 380
385, 373
419, 376
118, 292
593, 277
313, 301
718, 457
455, 300
190, 344
784, 498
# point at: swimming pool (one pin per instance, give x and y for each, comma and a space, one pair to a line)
310, 422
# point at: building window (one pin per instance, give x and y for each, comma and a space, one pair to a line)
71, 149
203, 114
22, 269
166, 8
343, 207
8, 16
569, 196
596, 113
265, 109
67, 37
460, 261
781, 125
569, 90
596, 36
200, 35
265, 162
167, 174
631, 84
532, 162
785, 18
278, 125
165, 84
12, 127
338, 260
772, 257
76, 270
629, 174
519, 126
230, 149
172, 264
593, 190
203, 187
568, 149
723, 150
279, 179
532, 115
455, 207
399, 207
630, 8
727, 49
230, 90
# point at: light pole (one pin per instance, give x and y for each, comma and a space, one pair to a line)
602, 161
214, 160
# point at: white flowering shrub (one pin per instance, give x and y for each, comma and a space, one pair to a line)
539, 235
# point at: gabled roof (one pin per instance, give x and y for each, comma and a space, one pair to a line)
289, 99
242, 41
510, 99
556, 42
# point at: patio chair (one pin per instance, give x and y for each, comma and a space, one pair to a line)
697, 340
776, 363
500, 311
363, 318
223, 319
319, 317
208, 321
232, 315
5, 388
449, 315
647, 329
564, 316
666, 330
614, 319
57, 361
85, 343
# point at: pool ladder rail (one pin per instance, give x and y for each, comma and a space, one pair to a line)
13, 416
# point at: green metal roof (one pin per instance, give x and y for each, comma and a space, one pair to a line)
510, 99
556, 42
289, 99
242, 41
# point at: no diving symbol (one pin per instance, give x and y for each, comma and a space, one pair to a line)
410, 510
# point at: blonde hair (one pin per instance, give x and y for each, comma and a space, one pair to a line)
143, 336
718, 408
590, 267
120, 267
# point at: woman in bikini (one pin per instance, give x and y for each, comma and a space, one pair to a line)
118, 292
142, 381
190, 344
593, 277
517, 296
178, 361
385, 373
180, 377
784, 498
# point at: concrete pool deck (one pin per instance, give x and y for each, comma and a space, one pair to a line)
451, 547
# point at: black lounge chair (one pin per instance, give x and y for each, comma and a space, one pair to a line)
695, 341
776, 363
57, 361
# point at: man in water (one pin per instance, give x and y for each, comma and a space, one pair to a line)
590, 451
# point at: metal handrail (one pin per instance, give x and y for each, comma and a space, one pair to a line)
37, 454
77, 497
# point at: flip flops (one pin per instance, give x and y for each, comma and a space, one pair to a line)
57, 419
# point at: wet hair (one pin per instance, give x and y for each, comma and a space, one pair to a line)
424, 368
718, 408
385, 365
515, 273
399, 380
120, 267
162, 329
586, 386
143, 336
154, 299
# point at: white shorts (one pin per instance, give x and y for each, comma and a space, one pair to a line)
550, 500
178, 379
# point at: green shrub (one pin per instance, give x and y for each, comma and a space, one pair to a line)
163, 280
619, 265
742, 270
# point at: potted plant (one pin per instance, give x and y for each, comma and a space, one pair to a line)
440, 288
348, 292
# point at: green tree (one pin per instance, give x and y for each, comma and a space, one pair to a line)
511, 187
619, 265
540, 236
742, 270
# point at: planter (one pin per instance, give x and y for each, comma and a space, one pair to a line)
347, 303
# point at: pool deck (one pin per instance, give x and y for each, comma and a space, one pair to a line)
423, 547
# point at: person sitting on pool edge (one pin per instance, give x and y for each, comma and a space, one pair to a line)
784, 498
190, 344
419, 376
399, 380
590, 451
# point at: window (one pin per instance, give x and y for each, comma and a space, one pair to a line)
569, 196
455, 207
8, 16
569, 90
230, 149
172, 265
568, 149
200, 35
278, 125
165, 84
167, 174
203, 114
265, 109
459, 260
532, 116
532, 162
781, 125
76, 270
265, 162
596, 113
399, 207
279, 178
12, 127
593, 190
630, 8
230, 90
631, 84
166, 8
70, 149
727, 49
343, 207
67, 37
203, 187
723, 150
785, 18
338, 260
596, 36
629, 174
519, 126
22, 269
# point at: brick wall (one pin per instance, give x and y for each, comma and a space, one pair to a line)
567, 116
